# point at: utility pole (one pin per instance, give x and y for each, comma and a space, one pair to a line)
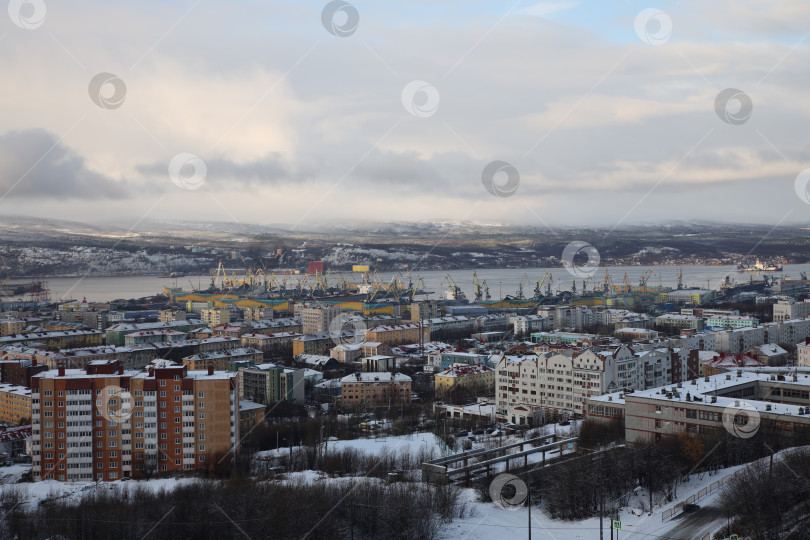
529, 502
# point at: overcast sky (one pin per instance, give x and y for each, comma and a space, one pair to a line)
606, 113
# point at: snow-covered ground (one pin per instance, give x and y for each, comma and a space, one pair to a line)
486, 521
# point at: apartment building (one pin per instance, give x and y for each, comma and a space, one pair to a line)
251, 414
398, 333
564, 381
316, 319
675, 322
476, 377
375, 389
215, 316
269, 342
259, 313
222, 360
15, 404
9, 327
56, 340
105, 423
115, 334
152, 336
268, 383
731, 321
567, 317
787, 309
18, 371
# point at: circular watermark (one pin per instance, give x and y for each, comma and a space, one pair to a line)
733, 106
116, 403
572, 259
420, 98
741, 420
27, 14
340, 18
345, 329
108, 91
802, 186
188, 171
508, 501
506, 173
653, 26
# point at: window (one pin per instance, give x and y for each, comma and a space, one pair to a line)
163, 383
201, 395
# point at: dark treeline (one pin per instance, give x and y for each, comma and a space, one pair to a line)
577, 488
239, 508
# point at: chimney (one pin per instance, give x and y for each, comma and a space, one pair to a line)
120, 369
210, 369
33, 361
61, 370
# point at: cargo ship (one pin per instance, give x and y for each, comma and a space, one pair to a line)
759, 266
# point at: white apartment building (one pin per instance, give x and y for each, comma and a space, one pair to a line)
559, 317
215, 316
784, 310
317, 319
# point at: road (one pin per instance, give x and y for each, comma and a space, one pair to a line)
694, 525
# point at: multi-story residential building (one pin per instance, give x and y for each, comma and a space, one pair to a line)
564, 381
105, 423
451, 324
477, 377
424, 310
568, 338
9, 327
675, 322
399, 333
270, 342
115, 334
524, 325
731, 321
268, 383
152, 336
803, 353
18, 371
251, 414
708, 406
15, 404
222, 360
787, 309
291, 324
167, 315
449, 358
319, 343
318, 318
375, 389
739, 340
215, 316
56, 340
567, 317
259, 313
770, 354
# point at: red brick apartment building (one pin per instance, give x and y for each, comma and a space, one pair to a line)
105, 423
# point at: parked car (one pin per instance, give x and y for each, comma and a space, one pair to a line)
478, 432
462, 433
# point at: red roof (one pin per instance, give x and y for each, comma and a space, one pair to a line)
15, 434
733, 361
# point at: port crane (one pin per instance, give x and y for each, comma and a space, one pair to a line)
538, 285
645, 277
455, 292
523, 282
479, 293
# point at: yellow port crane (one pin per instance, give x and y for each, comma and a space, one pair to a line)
523, 282
538, 285
645, 277
479, 293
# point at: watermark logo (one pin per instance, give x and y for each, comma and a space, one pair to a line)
500, 179
345, 329
188, 171
653, 26
420, 98
802, 186
27, 14
115, 403
572, 259
340, 18
733, 106
509, 492
741, 420
108, 91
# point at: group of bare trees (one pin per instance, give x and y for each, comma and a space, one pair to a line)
770, 498
239, 508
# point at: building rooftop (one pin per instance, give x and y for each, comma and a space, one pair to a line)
375, 376
247, 405
702, 391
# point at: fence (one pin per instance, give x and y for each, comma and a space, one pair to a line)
695, 496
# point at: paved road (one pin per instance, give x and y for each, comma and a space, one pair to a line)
693, 525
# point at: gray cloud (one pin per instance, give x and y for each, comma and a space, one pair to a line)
34, 163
